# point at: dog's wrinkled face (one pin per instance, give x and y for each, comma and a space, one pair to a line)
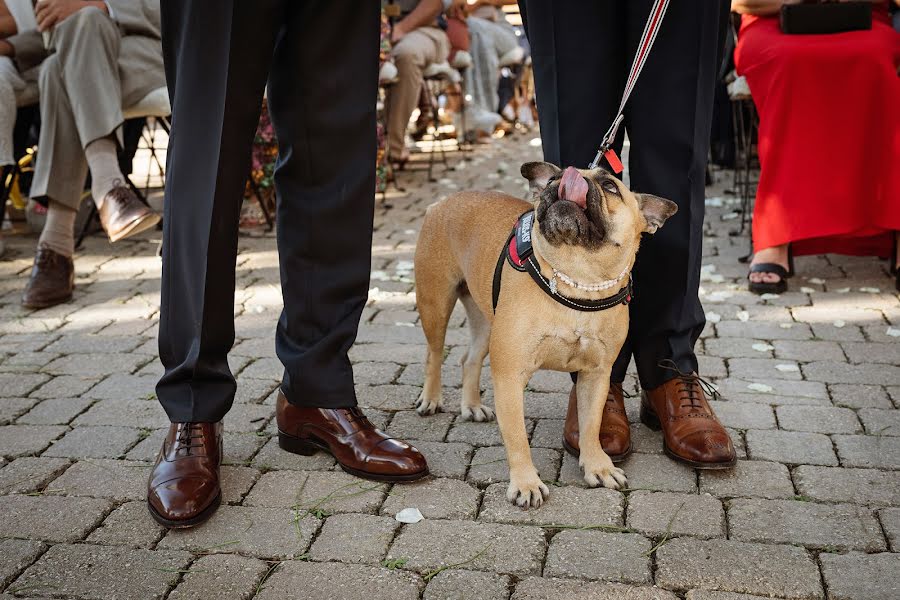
591, 208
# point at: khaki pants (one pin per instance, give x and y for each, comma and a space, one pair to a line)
412, 55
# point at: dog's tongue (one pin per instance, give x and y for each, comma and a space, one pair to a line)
573, 187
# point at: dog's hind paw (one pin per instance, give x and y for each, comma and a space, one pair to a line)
427, 407
528, 494
609, 477
477, 413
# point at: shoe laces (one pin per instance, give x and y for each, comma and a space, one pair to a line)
186, 436
46, 257
690, 386
119, 192
357, 416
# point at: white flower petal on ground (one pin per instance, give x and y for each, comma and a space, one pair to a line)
787, 368
816, 280
842, 290
743, 316
713, 317
719, 296
870, 290
893, 332
409, 515
762, 347
730, 216
769, 296
785, 325
807, 290
839, 323
715, 201
761, 388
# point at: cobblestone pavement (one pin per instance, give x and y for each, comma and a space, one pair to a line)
811, 388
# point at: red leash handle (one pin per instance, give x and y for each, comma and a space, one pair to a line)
651, 29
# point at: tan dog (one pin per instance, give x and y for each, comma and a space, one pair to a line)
587, 226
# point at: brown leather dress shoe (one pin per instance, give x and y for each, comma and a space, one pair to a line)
184, 488
692, 434
122, 214
347, 434
615, 434
52, 280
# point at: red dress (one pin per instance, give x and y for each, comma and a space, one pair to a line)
829, 136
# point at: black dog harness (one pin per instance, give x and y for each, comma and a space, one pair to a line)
519, 253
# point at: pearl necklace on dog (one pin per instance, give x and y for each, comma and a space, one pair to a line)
586, 287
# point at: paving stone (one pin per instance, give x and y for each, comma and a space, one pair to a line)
436, 499
93, 344
753, 478
376, 373
15, 555
128, 525
66, 386
51, 518
408, 425
22, 440
764, 331
253, 391
734, 347
890, 520
275, 533
543, 588
457, 584
18, 385
741, 415
144, 414
806, 350
546, 406
99, 364
89, 571
857, 576
726, 565
489, 465
446, 459
95, 442
820, 526
247, 418
392, 397
273, 457
567, 506
122, 386
331, 491
118, 480
793, 447
547, 433
352, 538
307, 580
880, 422
876, 451
30, 474
859, 396
873, 352
819, 419
478, 434
429, 545
840, 372
220, 576
236, 482
858, 486
12, 408
621, 557
709, 595
659, 514
761, 369
644, 471
56, 411
733, 389
240, 448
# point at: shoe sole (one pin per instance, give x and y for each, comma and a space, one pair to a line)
137, 226
48, 304
295, 445
650, 419
617, 458
202, 517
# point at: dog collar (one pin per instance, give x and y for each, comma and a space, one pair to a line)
519, 253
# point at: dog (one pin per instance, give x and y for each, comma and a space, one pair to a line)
587, 227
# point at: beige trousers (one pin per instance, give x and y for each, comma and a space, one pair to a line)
412, 54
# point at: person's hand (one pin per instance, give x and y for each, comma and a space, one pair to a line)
397, 32
52, 12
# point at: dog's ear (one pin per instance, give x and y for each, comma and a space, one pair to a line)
539, 174
656, 210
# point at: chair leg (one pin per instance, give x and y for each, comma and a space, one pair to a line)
262, 205
92, 215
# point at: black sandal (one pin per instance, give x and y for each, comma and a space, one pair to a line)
780, 286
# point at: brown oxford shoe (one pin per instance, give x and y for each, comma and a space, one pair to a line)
692, 434
347, 434
184, 487
52, 280
122, 214
615, 434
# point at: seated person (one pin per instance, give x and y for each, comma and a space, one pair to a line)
417, 43
829, 138
102, 56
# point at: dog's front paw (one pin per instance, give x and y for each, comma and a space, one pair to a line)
428, 406
527, 492
608, 476
477, 413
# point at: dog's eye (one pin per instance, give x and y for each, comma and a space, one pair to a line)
609, 186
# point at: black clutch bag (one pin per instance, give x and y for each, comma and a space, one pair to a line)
826, 17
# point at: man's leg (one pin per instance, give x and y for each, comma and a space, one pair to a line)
216, 78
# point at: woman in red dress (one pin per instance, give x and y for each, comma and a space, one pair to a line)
829, 140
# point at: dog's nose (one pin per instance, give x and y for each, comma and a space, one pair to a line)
573, 187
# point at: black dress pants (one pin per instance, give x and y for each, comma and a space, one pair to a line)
582, 52
320, 61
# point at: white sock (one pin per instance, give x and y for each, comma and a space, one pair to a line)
59, 231
103, 161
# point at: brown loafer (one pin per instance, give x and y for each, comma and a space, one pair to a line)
692, 434
184, 487
347, 434
615, 434
52, 280
122, 214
